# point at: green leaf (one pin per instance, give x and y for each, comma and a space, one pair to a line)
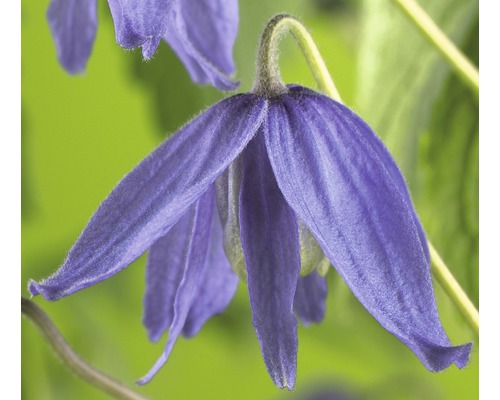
401, 75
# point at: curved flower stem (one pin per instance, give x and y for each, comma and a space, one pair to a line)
267, 70
453, 289
268, 78
71, 359
462, 66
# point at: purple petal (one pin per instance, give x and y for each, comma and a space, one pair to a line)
270, 239
153, 196
219, 284
197, 250
141, 23
73, 24
342, 183
211, 26
164, 272
203, 34
310, 297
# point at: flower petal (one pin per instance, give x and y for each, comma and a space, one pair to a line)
219, 284
203, 34
310, 297
270, 239
140, 23
211, 26
153, 196
228, 188
73, 24
342, 183
164, 272
197, 251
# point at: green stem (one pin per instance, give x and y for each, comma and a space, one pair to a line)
269, 74
453, 289
85, 371
268, 80
462, 66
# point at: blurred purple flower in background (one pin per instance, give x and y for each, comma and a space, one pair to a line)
73, 24
268, 184
202, 33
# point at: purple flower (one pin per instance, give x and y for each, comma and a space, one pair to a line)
202, 33
275, 182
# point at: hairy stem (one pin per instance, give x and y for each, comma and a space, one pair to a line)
268, 78
467, 72
81, 368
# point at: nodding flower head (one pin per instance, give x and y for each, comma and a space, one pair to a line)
202, 33
270, 185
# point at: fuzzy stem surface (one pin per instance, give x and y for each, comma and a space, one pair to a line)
268, 80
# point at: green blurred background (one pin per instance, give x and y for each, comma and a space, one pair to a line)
81, 135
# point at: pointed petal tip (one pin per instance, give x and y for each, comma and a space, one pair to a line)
142, 381
74, 70
463, 355
149, 47
437, 358
285, 382
50, 291
153, 371
38, 288
153, 334
33, 287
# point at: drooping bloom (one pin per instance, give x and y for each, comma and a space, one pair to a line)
270, 184
202, 33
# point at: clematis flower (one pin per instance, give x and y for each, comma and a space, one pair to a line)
272, 184
202, 33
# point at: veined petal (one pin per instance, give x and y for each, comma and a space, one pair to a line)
228, 186
195, 263
341, 182
310, 297
153, 196
202, 34
211, 26
164, 272
269, 235
140, 23
73, 24
218, 286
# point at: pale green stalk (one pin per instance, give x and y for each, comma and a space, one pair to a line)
453, 289
268, 82
85, 371
467, 72
268, 77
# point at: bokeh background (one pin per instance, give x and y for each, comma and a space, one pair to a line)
81, 135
